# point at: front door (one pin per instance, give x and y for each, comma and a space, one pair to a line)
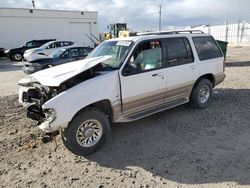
142, 79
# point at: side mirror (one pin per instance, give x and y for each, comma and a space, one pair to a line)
132, 68
127, 70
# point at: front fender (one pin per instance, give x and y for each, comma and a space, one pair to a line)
69, 102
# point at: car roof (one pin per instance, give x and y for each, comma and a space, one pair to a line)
75, 46
44, 40
58, 41
163, 34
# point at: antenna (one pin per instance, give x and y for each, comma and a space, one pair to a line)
33, 4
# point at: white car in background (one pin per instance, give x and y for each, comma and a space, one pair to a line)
46, 49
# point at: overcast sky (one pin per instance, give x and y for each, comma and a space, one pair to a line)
143, 15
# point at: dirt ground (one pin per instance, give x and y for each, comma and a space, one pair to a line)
180, 147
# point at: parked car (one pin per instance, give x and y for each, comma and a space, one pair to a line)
122, 80
57, 57
2, 52
16, 54
46, 49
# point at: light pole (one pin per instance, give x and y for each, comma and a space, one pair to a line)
160, 17
33, 4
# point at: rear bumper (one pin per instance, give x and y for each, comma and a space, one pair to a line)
220, 78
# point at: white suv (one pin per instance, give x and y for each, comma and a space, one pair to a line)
122, 80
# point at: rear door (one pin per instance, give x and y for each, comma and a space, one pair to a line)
181, 71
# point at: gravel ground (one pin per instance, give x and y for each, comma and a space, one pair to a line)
180, 147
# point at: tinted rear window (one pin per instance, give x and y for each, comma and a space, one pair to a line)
206, 48
179, 51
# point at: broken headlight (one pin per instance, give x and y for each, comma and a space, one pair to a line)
50, 115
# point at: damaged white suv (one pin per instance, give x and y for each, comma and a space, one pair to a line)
122, 80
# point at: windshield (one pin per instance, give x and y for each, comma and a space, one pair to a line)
116, 49
57, 53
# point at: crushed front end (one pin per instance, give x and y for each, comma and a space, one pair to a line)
32, 96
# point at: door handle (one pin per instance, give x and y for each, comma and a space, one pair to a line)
159, 75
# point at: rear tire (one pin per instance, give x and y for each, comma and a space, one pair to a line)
201, 94
87, 132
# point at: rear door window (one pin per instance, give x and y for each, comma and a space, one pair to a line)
65, 43
31, 44
84, 51
58, 45
52, 45
206, 48
178, 51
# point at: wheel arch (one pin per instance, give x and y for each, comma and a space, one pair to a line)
15, 52
103, 105
208, 76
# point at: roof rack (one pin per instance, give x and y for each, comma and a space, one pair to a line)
171, 32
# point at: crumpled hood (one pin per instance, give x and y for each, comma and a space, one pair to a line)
54, 76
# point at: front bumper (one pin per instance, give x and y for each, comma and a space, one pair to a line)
46, 121
7, 54
2, 54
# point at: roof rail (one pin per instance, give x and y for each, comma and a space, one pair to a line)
171, 32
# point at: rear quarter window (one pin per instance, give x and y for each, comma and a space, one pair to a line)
206, 48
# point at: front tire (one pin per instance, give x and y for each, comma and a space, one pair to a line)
87, 132
17, 57
201, 94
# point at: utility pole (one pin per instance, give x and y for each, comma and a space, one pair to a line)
226, 32
33, 4
160, 17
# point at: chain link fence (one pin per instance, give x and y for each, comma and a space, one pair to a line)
236, 34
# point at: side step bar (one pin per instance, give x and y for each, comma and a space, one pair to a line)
154, 110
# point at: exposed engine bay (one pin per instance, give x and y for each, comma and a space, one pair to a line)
35, 95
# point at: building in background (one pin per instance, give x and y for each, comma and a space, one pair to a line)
236, 34
21, 25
